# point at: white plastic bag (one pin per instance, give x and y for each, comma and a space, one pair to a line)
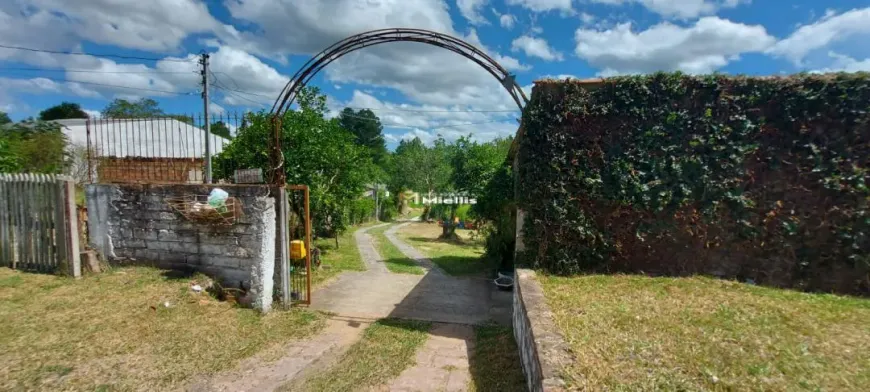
217, 198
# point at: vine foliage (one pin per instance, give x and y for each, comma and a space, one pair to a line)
753, 178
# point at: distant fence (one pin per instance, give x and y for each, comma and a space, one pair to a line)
165, 149
38, 223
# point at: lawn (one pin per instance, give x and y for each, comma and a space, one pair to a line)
639, 333
462, 257
386, 349
114, 331
495, 363
337, 260
394, 259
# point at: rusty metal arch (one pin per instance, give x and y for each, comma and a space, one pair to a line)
376, 37
371, 38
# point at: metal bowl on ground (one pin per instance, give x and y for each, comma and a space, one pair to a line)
504, 283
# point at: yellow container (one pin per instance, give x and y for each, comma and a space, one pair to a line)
297, 249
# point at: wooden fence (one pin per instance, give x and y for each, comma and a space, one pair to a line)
38, 223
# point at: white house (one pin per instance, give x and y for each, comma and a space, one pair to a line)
144, 138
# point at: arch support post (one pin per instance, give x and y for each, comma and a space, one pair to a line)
276, 156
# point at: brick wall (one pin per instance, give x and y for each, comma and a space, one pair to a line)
149, 170
133, 223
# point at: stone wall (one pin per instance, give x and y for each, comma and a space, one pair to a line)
133, 223
543, 350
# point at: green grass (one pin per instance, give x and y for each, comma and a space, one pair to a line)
337, 260
462, 257
386, 348
495, 364
113, 332
637, 333
394, 259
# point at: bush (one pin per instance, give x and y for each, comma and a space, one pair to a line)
762, 179
361, 210
389, 212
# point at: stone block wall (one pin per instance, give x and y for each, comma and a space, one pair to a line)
134, 223
543, 351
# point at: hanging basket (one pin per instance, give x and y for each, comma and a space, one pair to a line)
196, 208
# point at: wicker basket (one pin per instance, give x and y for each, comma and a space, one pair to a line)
195, 208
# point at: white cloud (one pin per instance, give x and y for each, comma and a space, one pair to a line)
470, 9
563, 6
428, 121
536, 47
587, 18
851, 26
43, 86
507, 21
843, 63
683, 9
93, 113
707, 45
421, 72
157, 25
215, 108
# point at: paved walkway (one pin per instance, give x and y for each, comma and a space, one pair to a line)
442, 363
256, 375
377, 293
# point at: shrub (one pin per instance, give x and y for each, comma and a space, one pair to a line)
755, 178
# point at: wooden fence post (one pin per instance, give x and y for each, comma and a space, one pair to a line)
67, 233
5, 236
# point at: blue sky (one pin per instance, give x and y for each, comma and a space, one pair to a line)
417, 90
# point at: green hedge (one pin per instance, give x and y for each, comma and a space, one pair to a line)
753, 178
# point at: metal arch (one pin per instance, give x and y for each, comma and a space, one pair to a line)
376, 37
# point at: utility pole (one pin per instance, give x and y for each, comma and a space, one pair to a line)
377, 203
204, 62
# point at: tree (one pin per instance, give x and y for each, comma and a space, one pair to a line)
34, 147
418, 167
474, 164
367, 131
4, 118
122, 108
62, 111
221, 129
318, 152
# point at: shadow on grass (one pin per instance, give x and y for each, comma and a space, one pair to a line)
494, 362
465, 265
460, 243
404, 265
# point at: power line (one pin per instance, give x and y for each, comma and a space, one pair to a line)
226, 91
92, 71
117, 56
394, 109
118, 86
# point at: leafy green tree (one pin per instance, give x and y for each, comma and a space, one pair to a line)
318, 152
62, 111
474, 164
122, 108
4, 118
221, 129
34, 147
367, 131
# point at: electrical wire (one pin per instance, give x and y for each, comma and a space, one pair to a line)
117, 56
91, 71
395, 109
118, 86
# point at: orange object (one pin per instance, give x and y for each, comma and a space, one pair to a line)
297, 249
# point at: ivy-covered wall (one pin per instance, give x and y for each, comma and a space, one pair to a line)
762, 179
